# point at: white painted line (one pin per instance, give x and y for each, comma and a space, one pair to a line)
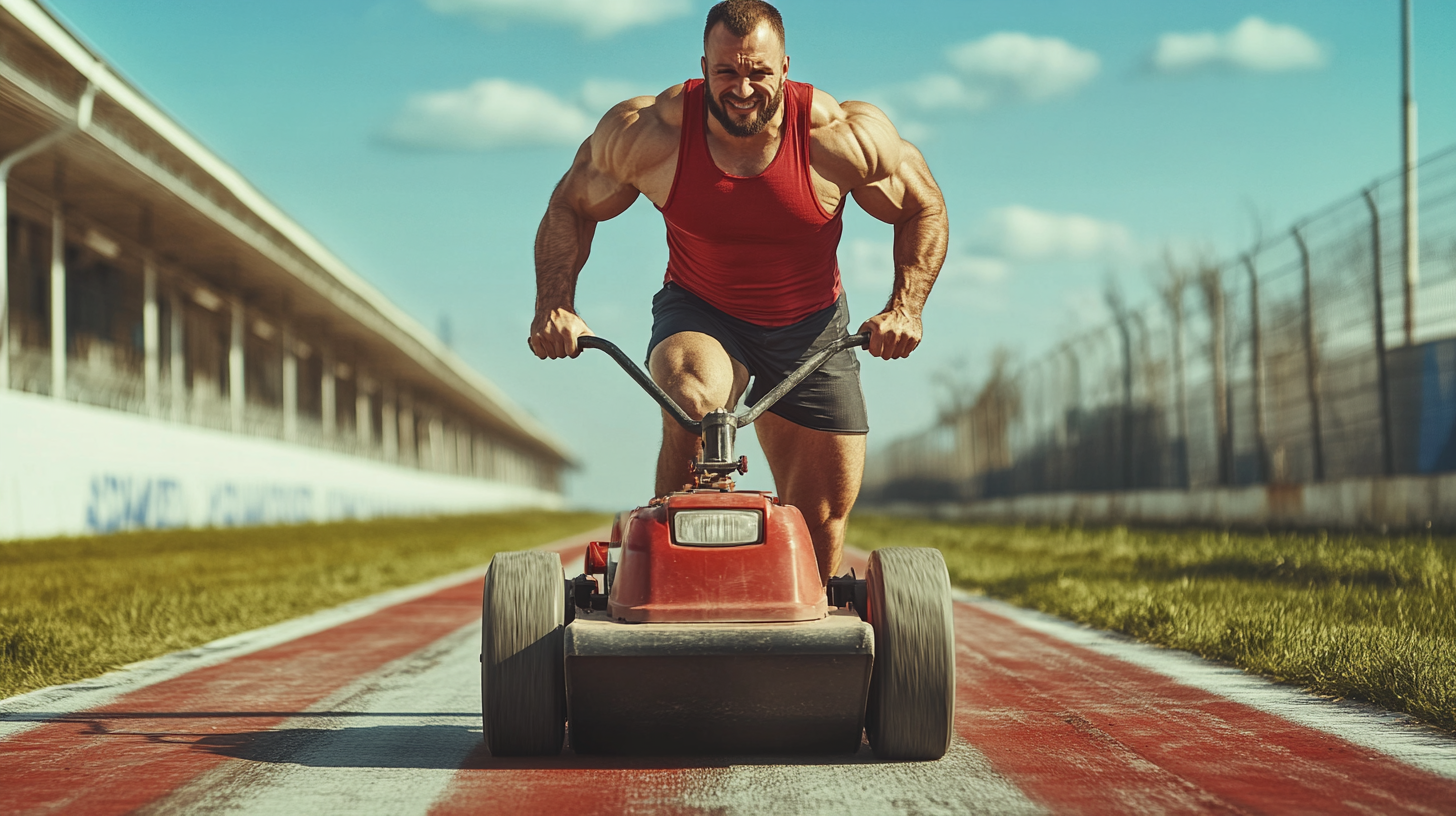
1396, 735
26, 711
388, 744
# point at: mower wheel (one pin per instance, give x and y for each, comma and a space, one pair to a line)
912, 686
523, 687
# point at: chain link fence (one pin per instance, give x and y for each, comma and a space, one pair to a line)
1307, 358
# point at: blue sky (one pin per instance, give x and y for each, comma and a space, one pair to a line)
1072, 139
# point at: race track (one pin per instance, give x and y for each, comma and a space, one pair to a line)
373, 708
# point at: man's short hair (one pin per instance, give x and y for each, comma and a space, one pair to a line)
742, 17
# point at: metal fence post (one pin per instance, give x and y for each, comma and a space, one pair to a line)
1053, 386
1140, 326
1180, 375
1036, 383
1387, 448
1210, 284
1409, 185
1311, 362
1125, 425
1071, 458
1256, 374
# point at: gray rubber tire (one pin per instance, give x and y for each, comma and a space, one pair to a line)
911, 709
523, 688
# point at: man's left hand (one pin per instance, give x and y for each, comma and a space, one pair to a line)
894, 333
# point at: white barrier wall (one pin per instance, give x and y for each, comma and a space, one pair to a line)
1394, 503
70, 469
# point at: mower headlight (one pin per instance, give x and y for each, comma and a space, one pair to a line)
717, 528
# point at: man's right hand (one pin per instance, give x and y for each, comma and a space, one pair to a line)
554, 333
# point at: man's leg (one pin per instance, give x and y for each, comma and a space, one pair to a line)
819, 473
699, 375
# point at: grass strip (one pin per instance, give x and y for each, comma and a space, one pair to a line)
76, 607
1351, 615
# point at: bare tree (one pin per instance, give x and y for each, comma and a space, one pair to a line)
1210, 285
955, 387
996, 406
979, 413
1171, 288
1121, 315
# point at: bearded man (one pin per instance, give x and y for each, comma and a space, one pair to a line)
751, 172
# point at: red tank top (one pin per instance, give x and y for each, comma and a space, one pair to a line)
761, 248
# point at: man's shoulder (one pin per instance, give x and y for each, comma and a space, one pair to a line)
638, 133
824, 110
852, 137
642, 113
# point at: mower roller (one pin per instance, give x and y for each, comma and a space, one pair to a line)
701, 626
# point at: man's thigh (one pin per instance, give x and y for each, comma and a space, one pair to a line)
831, 398
695, 369
817, 471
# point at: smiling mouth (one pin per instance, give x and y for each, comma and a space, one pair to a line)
740, 106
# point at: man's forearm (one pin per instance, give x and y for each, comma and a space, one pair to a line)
563, 243
920, 244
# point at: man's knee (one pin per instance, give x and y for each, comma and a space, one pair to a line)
697, 396
695, 371
832, 514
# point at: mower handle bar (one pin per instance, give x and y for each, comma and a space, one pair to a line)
693, 426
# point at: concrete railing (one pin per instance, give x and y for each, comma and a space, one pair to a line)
1396, 503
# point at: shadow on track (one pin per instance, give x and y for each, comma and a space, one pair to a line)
451, 747
423, 746
415, 747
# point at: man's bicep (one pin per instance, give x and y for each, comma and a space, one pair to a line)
904, 194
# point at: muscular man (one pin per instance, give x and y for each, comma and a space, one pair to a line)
751, 172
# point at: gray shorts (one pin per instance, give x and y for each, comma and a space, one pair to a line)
829, 400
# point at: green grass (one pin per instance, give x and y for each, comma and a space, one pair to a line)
1360, 616
74, 608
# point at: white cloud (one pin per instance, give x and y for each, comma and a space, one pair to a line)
914, 130
1002, 67
1022, 233
594, 18
1253, 45
870, 265
1034, 68
911, 129
487, 115
867, 263
945, 91
961, 267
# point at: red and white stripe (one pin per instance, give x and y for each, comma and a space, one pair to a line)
374, 708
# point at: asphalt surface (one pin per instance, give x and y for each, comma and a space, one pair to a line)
374, 708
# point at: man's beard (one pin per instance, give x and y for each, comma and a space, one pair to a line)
752, 127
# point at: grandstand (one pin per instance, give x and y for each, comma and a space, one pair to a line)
176, 351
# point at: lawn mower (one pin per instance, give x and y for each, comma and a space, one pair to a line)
701, 627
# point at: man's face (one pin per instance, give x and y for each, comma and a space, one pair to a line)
745, 78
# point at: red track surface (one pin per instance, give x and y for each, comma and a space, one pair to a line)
1065, 729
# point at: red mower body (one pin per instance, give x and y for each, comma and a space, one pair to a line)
714, 648
658, 580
